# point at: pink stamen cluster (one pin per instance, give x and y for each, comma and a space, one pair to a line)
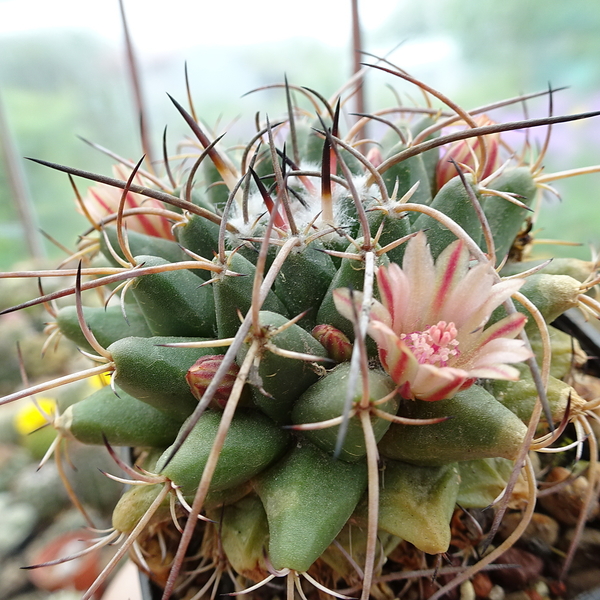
436, 345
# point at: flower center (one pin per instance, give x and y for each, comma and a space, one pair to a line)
435, 345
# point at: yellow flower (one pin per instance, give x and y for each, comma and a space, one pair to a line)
30, 418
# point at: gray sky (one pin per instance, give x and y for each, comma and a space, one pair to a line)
188, 22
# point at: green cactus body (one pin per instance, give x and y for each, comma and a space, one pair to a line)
199, 235
552, 295
107, 324
573, 267
416, 503
233, 295
155, 374
506, 219
303, 281
439, 346
396, 225
349, 275
173, 302
521, 396
133, 505
308, 497
139, 243
120, 419
482, 481
244, 535
253, 442
566, 351
406, 174
325, 400
283, 379
453, 200
430, 157
479, 427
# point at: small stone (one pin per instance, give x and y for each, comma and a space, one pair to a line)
496, 593
557, 588
588, 547
18, 523
541, 587
583, 581
482, 585
566, 504
42, 489
14, 579
529, 570
517, 596
533, 594
12, 460
541, 528
467, 591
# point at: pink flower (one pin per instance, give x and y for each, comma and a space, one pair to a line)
429, 327
102, 200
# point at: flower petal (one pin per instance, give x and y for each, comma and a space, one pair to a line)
507, 328
343, 298
396, 357
432, 343
507, 351
394, 290
497, 372
103, 200
437, 383
420, 271
467, 298
494, 298
450, 268
347, 302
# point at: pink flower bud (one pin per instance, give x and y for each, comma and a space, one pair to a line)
103, 200
203, 371
338, 346
374, 156
467, 152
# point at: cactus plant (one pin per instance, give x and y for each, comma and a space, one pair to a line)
315, 347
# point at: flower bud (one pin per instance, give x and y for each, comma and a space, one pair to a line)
374, 156
102, 200
467, 152
338, 346
202, 372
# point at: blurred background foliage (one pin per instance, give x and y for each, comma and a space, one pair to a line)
59, 83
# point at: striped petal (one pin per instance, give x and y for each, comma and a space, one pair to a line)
494, 298
505, 329
394, 290
419, 269
396, 357
433, 383
497, 372
103, 200
451, 267
349, 303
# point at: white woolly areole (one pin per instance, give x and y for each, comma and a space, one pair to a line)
305, 215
